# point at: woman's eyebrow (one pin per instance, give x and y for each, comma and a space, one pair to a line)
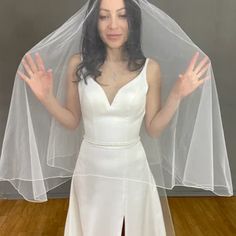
108, 10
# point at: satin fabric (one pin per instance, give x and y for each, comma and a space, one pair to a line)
112, 146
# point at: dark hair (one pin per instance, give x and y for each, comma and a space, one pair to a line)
94, 49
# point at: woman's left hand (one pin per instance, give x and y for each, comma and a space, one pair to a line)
190, 80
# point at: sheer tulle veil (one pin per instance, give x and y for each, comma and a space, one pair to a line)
38, 153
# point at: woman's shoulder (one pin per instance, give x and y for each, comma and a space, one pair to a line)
73, 63
153, 71
76, 57
74, 60
153, 63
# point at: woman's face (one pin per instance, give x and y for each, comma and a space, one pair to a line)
112, 23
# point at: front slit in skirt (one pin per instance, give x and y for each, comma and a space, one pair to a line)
106, 187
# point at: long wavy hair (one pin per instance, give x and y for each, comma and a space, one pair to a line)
94, 49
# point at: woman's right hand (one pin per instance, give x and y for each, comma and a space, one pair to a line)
39, 80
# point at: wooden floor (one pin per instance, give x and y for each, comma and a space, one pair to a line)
192, 216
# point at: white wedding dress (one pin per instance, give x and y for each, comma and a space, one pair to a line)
112, 147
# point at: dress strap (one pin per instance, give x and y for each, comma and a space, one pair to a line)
145, 72
145, 64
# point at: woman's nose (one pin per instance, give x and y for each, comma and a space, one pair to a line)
113, 22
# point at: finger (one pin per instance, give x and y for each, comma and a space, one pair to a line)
31, 62
207, 78
203, 80
27, 68
193, 62
50, 73
201, 64
39, 62
204, 69
22, 76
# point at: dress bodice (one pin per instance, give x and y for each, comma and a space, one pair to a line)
118, 122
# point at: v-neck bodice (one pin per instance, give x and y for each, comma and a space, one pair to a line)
127, 84
119, 121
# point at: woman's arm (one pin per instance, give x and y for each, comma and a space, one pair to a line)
41, 83
68, 115
157, 117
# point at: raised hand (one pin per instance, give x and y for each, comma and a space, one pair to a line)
190, 80
39, 80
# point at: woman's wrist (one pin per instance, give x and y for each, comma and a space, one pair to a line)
49, 100
175, 95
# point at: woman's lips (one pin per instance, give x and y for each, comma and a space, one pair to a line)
113, 36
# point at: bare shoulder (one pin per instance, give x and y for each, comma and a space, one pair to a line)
153, 63
153, 71
75, 59
73, 63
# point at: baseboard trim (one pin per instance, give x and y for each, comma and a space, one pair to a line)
170, 193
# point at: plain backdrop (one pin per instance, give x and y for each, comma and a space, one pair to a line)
209, 23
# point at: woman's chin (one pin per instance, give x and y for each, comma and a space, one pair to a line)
115, 45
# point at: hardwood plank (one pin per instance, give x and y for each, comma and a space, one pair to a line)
195, 216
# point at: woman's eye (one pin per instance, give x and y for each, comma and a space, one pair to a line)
102, 17
106, 17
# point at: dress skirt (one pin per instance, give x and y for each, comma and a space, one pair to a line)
108, 186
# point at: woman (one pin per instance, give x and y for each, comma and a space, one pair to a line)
112, 183
113, 30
